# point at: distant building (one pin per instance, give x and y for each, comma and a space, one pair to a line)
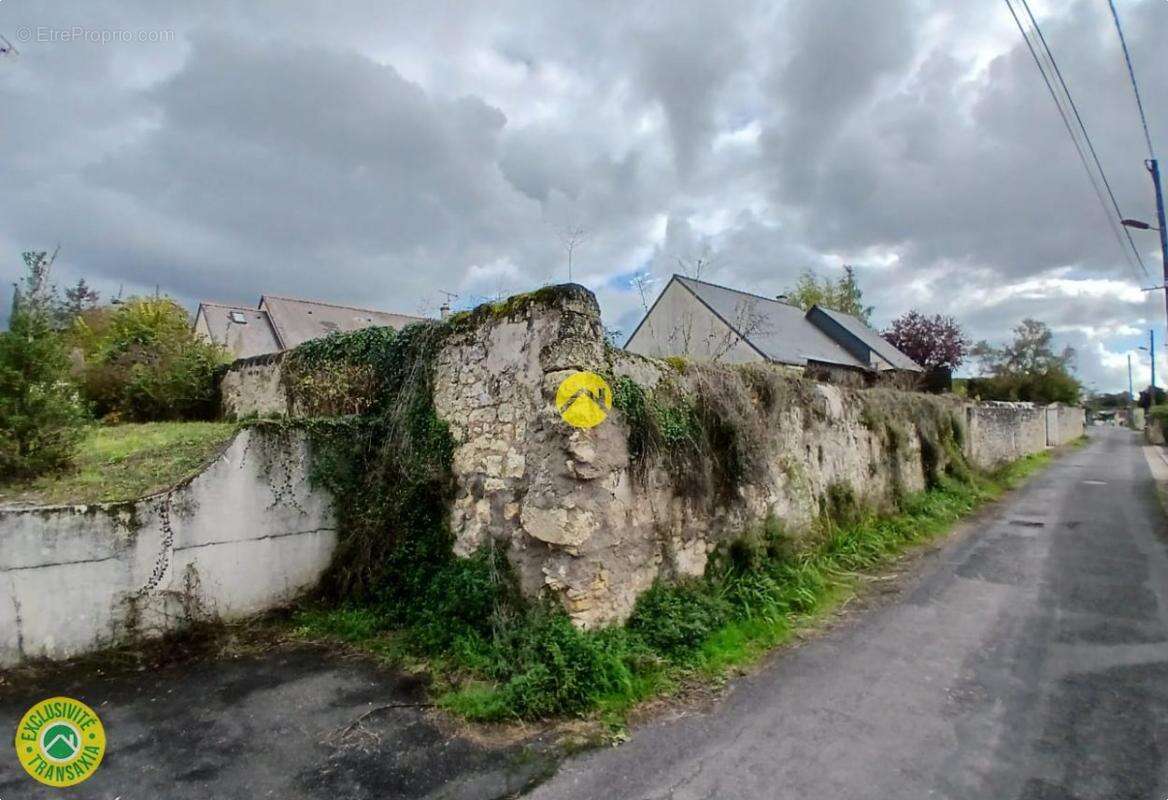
705, 321
281, 323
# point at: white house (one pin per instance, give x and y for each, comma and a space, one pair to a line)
705, 321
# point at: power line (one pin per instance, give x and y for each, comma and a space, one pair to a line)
1059, 105
1132, 74
1044, 71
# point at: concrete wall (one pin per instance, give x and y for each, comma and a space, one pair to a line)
244, 536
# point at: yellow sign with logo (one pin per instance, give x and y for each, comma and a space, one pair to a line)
584, 399
60, 741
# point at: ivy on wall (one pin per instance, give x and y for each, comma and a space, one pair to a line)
380, 449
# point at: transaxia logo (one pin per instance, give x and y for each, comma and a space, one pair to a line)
60, 741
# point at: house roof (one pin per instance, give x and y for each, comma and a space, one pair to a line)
296, 321
252, 337
779, 331
874, 341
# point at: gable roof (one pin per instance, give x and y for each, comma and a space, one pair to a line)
255, 336
871, 339
296, 321
779, 331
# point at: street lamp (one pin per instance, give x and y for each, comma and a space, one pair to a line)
1139, 225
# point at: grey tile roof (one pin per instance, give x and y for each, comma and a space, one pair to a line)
252, 337
296, 321
780, 331
877, 343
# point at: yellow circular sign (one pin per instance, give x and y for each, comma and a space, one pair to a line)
583, 399
60, 741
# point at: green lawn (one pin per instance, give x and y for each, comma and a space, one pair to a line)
124, 462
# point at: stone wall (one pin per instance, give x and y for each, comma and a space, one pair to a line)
578, 518
1001, 432
253, 387
1069, 423
245, 535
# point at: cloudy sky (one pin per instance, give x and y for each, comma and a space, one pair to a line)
380, 153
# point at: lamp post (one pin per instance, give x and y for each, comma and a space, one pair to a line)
1153, 167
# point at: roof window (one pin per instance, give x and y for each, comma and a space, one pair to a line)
238, 317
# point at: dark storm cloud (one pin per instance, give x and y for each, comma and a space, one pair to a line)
379, 153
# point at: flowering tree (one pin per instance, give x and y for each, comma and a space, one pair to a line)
934, 341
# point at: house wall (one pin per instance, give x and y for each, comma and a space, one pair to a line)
679, 324
244, 536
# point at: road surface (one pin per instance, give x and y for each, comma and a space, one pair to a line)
1029, 661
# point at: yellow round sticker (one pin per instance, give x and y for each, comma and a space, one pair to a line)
60, 741
583, 399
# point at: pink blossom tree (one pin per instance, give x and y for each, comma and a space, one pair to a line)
935, 341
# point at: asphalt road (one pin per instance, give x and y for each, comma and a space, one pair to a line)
294, 723
1028, 661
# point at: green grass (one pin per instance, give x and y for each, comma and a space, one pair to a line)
124, 462
756, 594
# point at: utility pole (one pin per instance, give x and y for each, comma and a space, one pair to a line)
1154, 168
1131, 395
1152, 353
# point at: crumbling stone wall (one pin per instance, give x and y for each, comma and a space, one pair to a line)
576, 516
575, 519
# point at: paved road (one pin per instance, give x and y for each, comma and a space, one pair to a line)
1029, 661
289, 724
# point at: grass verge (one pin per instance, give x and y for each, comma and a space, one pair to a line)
125, 462
500, 660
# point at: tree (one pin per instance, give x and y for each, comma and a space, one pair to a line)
1147, 398
40, 412
932, 342
1105, 400
143, 361
843, 294
79, 298
1026, 369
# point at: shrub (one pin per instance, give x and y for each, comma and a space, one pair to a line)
551, 667
342, 373
144, 362
675, 620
